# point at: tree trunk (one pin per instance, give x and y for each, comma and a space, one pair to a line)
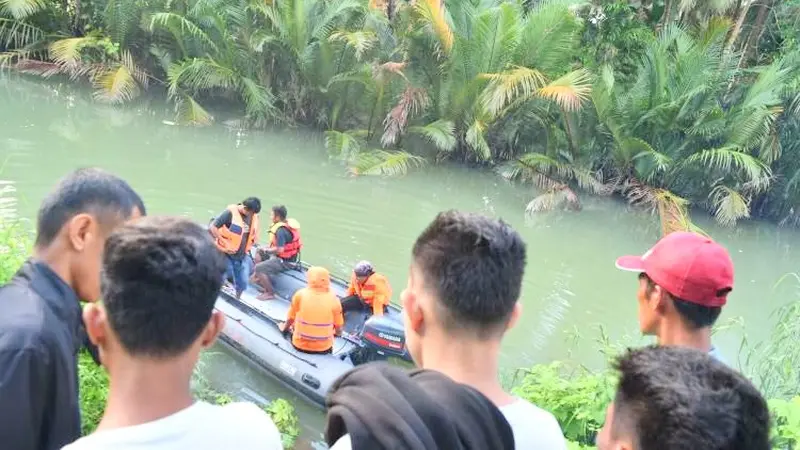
666, 16
737, 28
751, 46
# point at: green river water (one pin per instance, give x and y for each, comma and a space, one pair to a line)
571, 286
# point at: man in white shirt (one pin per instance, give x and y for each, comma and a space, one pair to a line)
462, 296
161, 277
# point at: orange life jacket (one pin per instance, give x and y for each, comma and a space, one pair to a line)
230, 238
316, 312
291, 248
375, 287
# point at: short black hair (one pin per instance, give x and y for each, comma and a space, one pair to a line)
474, 265
86, 190
672, 398
161, 277
696, 316
253, 204
280, 211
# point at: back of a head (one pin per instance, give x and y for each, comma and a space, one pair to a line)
319, 279
253, 204
473, 265
161, 277
672, 398
89, 190
280, 212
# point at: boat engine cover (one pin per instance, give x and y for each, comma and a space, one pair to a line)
384, 335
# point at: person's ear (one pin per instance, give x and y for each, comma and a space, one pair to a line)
212, 329
658, 300
516, 313
95, 322
80, 229
414, 315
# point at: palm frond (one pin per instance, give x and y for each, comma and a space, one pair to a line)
727, 160
508, 86
476, 140
20, 9
199, 74
434, 16
17, 34
189, 112
558, 196
672, 210
441, 133
345, 145
121, 18
412, 101
360, 41
115, 84
67, 52
258, 100
729, 206
549, 37
181, 28
569, 91
386, 163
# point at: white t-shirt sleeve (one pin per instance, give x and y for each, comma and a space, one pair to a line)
262, 432
343, 443
533, 427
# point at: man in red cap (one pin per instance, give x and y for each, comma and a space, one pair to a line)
684, 281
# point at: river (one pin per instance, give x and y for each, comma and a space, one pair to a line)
571, 287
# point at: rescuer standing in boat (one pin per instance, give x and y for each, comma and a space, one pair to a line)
367, 290
235, 231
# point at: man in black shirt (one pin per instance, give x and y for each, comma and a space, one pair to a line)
41, 330
235, 231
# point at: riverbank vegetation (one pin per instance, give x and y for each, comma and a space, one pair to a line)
578, 396
668, 104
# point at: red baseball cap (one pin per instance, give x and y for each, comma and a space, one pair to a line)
689, 266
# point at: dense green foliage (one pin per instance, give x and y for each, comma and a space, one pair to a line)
667, 103
578, 397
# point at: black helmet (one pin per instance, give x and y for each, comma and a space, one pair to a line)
363, 269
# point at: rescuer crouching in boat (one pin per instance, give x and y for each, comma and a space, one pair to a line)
368, 290
282, 254
315, 313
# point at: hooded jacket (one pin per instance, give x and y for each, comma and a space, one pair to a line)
316, 313
386, 407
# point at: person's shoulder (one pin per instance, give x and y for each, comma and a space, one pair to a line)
24, 319
533, 427
250, 425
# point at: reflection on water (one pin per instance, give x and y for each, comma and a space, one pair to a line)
571, 285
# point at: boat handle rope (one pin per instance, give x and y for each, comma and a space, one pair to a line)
275, 343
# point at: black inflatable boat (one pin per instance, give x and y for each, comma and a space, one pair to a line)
251, 329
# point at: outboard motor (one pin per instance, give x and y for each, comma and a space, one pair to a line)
384, 336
